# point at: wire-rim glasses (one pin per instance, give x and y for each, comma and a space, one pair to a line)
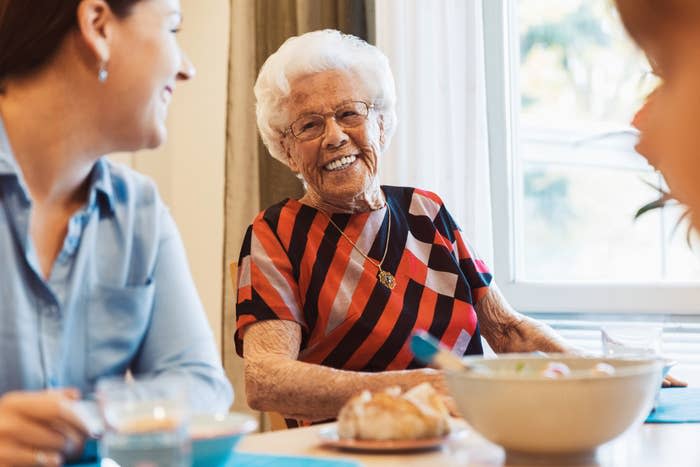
312, 125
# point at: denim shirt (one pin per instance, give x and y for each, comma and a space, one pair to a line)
119, 297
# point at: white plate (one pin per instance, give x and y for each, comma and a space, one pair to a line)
329, 438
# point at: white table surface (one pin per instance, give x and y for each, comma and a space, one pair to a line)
649, 445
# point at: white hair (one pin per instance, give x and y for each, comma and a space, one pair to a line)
314, 52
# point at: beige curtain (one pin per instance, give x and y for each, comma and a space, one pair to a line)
275, 21
254, 180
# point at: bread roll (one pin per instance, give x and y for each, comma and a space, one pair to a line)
390, 415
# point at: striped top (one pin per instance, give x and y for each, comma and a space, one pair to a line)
295, 265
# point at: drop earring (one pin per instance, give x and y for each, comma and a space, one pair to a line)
102, 74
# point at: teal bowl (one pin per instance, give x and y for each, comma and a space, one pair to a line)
214, 437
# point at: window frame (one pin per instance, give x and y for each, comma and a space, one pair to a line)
500, 25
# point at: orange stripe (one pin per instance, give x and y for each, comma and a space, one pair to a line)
430, 195
245, 293
440, 240
463, 251
417, 270
275, 254
463, 317
285, 225
335, 274
358, 303
313, 241
387, 320
272, 297
327, 343
426, 313
242, 322
478, 293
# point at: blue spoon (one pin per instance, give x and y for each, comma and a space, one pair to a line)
430, 351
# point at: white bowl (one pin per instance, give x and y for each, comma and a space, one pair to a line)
215, 436
529, 414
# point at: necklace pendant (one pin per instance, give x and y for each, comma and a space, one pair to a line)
387, 279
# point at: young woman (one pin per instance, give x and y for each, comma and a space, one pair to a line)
94, 279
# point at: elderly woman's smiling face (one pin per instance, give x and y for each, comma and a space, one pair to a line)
340, 165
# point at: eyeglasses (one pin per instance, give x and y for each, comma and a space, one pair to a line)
347, 115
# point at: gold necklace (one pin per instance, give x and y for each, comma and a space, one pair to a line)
386, 278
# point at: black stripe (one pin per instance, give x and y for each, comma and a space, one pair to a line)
255, 307
475, 278
441, 259
445, 224
415, 364
400, 195
442, 316
291, 423
359, 331
401, 331
398, 235
422, 228
376, 251
272, 214
474, 347
245, 246
367, 321
300, 233
324, 257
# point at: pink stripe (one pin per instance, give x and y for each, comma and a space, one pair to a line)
481, 267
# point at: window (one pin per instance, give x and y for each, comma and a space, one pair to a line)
563, 81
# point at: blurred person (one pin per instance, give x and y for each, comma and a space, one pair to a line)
95, 281
669, 33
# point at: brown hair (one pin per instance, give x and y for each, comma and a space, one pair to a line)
649, 21
31, 31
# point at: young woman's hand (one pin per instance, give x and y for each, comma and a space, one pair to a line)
38, 428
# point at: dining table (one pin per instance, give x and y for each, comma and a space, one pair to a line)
646, 445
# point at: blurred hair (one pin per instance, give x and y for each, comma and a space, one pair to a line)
315, 52
32, 30
649, 21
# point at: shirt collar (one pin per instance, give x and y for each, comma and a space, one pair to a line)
8, 165
100, 192
101, 185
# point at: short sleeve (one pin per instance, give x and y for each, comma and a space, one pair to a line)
474, 268
267, 288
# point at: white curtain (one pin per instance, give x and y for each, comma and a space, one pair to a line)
436, 52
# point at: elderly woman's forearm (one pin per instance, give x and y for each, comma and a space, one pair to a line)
314, 392
529, 335
506, 330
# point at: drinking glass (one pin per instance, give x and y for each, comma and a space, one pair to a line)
635, 340
631, 340
146, 423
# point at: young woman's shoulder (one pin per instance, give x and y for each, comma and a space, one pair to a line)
129, 188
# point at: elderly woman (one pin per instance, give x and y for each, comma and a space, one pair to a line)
332, 285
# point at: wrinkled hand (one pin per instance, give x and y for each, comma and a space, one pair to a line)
671, 382
38, 428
